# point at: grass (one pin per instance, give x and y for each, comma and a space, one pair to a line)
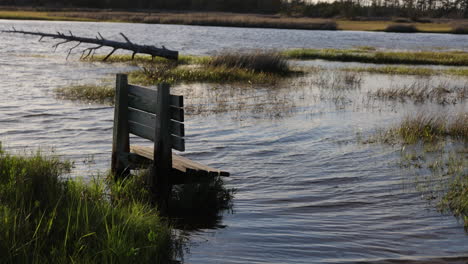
45, 218
87, 93
247, 68
395, 70
407, 70
139, 59
456, 199
429, 128
157, 73
255, 61
421, 92
36, 15
455, 58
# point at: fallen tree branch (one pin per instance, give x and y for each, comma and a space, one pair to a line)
102, 42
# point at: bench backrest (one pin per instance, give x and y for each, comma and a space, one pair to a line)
152, 114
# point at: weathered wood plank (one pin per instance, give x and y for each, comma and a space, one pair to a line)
177, 114
142, 98
177, 128
143, 124
120, 139
141, 130
162, 149
177, 143
142, 117
181, 163
177, 101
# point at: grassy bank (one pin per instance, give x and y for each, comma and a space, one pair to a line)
454, 58
45, 218
224, 19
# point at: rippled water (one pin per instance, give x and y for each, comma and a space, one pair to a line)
308, 191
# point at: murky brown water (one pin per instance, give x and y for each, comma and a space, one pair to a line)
308, 191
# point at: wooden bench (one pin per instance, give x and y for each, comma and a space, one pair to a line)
156, 115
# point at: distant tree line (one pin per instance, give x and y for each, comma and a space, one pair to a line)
254, 6
412, 9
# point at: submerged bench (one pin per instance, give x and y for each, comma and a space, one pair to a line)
156, 115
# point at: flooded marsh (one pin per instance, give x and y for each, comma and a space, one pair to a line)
311, 185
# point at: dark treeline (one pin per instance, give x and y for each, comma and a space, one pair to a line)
351, 9
253, 6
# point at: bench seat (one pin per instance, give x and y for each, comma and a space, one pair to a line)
181, 166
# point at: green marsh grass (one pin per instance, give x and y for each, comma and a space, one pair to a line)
139, 58
153, 74
395, 70
87, 93
429, 129
456, 198
455, 58
45, 218
407, 70
254, 61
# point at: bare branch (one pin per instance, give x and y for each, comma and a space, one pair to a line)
110, 54
128, 45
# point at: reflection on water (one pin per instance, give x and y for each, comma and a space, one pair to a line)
307, 191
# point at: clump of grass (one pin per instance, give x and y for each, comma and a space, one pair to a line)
163, 73
421, 92
395, 70
456, 58
88, 93
428, 128
401, 28
456, 199
47, 219
256, 61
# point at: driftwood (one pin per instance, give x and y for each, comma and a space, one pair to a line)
100, 41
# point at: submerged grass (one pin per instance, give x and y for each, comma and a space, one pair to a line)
87, 93
47, 219
435, 148
428, 128
421, 92
455, 58
407, 70
456, 198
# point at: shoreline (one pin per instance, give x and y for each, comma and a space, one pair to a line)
223, 19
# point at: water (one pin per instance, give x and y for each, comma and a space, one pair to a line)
308, 191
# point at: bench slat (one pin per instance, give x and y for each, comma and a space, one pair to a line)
177, 114
177, 143
176, 101
141, 130
180, 163
142, 117
149, 120
142, 98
